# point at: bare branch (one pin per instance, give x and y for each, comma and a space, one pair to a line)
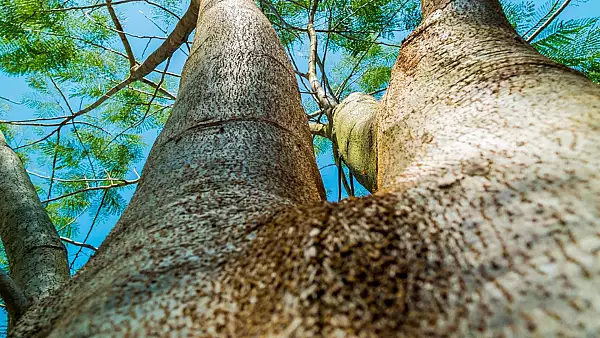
88, 7
121, 183
74, 179
549, 21
9, 100
178, 36
14, 298
377, 91
119, 28
91, 227
341, 175
53, 170
83, 245
160, 89
324, 100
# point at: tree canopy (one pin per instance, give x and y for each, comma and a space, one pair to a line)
102, 78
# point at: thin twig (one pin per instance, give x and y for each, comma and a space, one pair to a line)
53, 171
83, 245
14, 298
9, 100
549, 21
101, 187
91, 227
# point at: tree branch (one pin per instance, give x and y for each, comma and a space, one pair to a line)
89, 6
91, 228
178, 36
83, 245
14, 298
121, 183
119, 27
36, 255
549, 21
324, 100
160, 89
319, 129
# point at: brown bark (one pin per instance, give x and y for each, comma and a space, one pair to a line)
485, 223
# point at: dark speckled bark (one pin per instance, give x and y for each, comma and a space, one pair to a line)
485, 224
236, 147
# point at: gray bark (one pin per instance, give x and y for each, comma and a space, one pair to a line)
485, 223
37, 258
14, 299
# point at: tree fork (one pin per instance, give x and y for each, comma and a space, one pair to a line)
485, 223
231, 153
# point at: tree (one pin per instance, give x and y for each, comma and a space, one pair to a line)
484, 221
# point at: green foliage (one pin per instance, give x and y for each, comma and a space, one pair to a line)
70, 57
574, 43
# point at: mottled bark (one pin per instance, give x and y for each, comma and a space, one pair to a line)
236, 147
37, 258
355, 134
13, 297
485, 223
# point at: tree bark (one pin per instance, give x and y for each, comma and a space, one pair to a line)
485, 222
355, 134
236, 147
13, 297
37, 257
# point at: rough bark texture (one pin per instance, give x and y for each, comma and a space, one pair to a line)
236, 147
486, 223
13, 297
37, 257
356, 137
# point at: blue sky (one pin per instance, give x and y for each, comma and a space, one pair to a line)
15, 87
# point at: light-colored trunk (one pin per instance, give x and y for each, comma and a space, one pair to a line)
486, 222
236, 147
37, 258
356, 136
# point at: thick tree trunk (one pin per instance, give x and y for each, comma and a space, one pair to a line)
485, 224
236, 148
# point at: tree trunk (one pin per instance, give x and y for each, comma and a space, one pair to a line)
37, 257
485, 224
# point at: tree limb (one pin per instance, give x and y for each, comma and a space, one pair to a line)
178, 36
83, 245
89, 6
14, 298
318, 129
36, 255
324, 100
121, 183
119, 27
549, 21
